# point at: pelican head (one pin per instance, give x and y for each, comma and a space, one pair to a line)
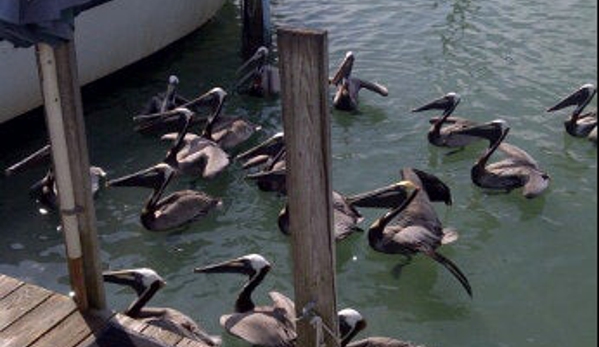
580, 98
492, 131
447, 103
345, 69
351, 323
140, 279
173, 80
249, 265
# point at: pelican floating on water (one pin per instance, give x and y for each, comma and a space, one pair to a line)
351, 322
262, 79
227, 132
268, 326
348, 87
146, 283
346, 217
579, 124
178, 208
518, 170
44, 190
413, 227
443, 130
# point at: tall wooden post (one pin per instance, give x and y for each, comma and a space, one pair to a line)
64, 119
303, 58
255, 16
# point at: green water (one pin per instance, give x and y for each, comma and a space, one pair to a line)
532, 264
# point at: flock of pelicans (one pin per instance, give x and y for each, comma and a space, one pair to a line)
409, 227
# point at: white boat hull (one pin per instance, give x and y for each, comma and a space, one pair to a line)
107, 38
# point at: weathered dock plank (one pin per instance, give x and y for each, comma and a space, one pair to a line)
69, 333
40, 320
19, 302
8, 285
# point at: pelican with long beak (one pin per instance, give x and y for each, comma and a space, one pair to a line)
227, 132
259, 77
413, 227
268, 326
146, 283
200, 156
443, 130
346, 217
348, 87
262, 153
518, 170
579, 124
45, 191
351, 322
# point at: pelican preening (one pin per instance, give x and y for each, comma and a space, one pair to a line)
518, 170
268, 326
348, 87
262, 79
443, 132
413, 227
579, 124
146, 283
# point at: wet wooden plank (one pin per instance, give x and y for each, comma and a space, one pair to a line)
19, 302
119, 336
38, 321
68, 333
8, 285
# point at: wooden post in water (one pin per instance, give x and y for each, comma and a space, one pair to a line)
255, 16
64, 119
303, 58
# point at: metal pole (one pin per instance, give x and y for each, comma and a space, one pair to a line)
64, 119
303, 56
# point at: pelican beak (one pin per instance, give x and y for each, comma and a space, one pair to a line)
579, 97
41, 156
445, 103
239, 266
120, 276
148, 178
387, 197
344, 70
490, 131
272, 174
270, 146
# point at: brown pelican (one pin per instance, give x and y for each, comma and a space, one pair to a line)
445, 136
580, 125
262, 153
200, 156
175, 210
351, 322
345, 215
273, 176
413, 227
262, 79
146, 283
518, 170
44, 190
348, 87
268, 326
227, 132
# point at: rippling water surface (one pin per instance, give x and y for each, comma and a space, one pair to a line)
532, 264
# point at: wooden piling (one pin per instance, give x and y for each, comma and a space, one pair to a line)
255, 16
303, 58
64, 119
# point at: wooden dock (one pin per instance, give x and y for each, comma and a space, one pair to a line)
31, 316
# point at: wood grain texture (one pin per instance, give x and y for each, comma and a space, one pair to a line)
19, 302
303, 59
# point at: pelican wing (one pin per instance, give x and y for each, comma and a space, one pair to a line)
260, 327
183, 207
518, 155
286, 307
218, 160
